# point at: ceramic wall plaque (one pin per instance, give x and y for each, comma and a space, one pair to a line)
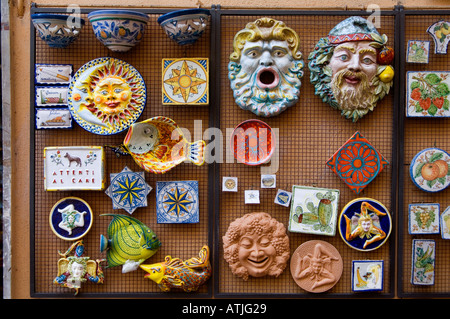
74, 168
51, 96
423, 261
365, 224
424, 218
440, 31
314, 210
283, 198
427, 94
429, 170
316, 266
53, 74
177, 202
418, 51
351, 68
128, 190
256, 245
185, 81
445, 223
357, 163
266, 67
53, 118
229, 184
367, 275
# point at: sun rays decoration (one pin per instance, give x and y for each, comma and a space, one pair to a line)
106, 96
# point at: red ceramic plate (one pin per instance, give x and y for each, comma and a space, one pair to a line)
253, 142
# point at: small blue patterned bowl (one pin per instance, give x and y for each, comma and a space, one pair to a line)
185, 26
57, 30
118, 30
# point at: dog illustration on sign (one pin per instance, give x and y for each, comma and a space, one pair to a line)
71, 159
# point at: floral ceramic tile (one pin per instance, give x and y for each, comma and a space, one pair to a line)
423, 261
440, 31
314, 210
367, 275
357, 163
177, 202
445, 223
427, 94
418, 51
423, 219
429, 170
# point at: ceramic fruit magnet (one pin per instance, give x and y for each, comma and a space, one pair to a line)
77, 269
354, 42
129, 243
314, 210
418, 51
53, 118
440, 31
429, 170
367, 275
283, 198
74, 168
365, 224
445, 223
157, 145
185, 81
424, 219
71, 218
266, 67
423, 261
128, 190
357, 163
229, 184
427, 94
177, 202
253, 142
256, 245
316, 266
174, 273
106, 96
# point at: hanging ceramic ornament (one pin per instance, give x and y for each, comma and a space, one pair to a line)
440, 31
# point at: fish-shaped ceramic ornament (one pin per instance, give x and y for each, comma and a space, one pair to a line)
188, 275
157, 145
130, 242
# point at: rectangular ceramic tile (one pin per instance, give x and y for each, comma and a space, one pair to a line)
423, 263
177, 202
50, 118
427, 94
314, 210
423, 219
445, 223
51, 95
367, 275
53, 74
418, 51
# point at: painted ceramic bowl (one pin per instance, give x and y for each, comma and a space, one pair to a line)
429, 170
118, 30
57, 30
253, 142
185, 26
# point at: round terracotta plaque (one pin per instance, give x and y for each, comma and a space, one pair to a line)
316, 266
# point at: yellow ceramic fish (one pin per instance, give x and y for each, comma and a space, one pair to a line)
158, 144
188, 275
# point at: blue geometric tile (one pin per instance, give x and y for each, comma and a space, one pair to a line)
177, 202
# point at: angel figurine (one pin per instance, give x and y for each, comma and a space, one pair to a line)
75, 270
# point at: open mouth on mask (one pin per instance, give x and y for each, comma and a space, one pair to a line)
267, 78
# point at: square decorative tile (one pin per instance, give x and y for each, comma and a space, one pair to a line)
367, 275
185, 81
229, 184
423, 261
357, 162
423, 219
418, 51
445, 223
268, 181
251, 196
283, 198
177, 202
314, 210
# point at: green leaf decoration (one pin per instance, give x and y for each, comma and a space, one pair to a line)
443, 89
442, 180
418, 171
446, 105
432, 79
431, 183
310, 206
436, 156
415, 85
433, 109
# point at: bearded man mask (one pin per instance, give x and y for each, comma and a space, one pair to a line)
266, 67
350, 67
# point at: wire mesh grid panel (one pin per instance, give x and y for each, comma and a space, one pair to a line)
307, 135
178, 240
421, 133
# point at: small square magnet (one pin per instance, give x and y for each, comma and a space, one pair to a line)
252, 196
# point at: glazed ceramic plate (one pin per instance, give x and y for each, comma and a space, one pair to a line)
71, 218
106, 96
253, 142
429, 170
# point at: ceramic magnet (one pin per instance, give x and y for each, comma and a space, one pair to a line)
128, 190
423, 261
445, 223
230, 184
427, 94
418, 51
440, 31
423, 219
185, 81
283, 198
177, 202
56, 74
74, 168
357, 163
367, 275
51, 96
48, 118
314, 210
268, 181
429, 170
252, 197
